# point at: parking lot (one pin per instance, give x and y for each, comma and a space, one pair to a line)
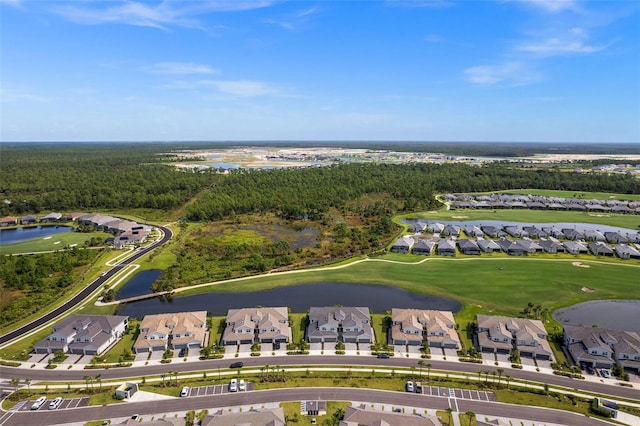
459, 393
66, 403
215, 389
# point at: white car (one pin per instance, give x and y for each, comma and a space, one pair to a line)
242, 386
38, 402
605, 373
233, 386
55, 403
409, 386
184, 392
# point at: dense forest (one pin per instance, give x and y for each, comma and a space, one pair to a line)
35, 178
311, 192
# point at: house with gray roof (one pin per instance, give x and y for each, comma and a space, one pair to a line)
515, 231
84, 334
621, 209
513, 248
534, 232
487, 246
252, 417
424, 247
367, 416
594, 235
419, 227
575, 207
615, 238
257, 325
553, 231
551, 246
624, 251
473, 231
491, 231
446, 247
572, 234
28, 219
346, 324
51, 217
436, 228
468, 247
600, 249
603, 347
403, 245
598, 208
575, 247
451, 230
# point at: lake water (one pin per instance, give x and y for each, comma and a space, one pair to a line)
221, 165
616, 314
299, 298
580, 227
139, 284
17, 235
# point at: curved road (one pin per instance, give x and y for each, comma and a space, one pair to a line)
318, 361
388, 398
77, 299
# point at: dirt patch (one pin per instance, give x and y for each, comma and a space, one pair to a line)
587, 289
580, 265
460, 217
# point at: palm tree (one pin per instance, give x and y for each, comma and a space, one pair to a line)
99, 380
413, 372
429, 372
508, 378
450, 414
479, 374
500, 371
486, 376
471, 415
86, 380
15, 382
162, 376
421, 364
494, 376
28, 383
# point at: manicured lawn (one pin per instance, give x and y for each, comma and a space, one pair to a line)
379, 328
298, 326
126, 343
56, 242
293, 415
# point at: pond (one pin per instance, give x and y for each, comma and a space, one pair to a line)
17, 235
580, 227
299, 298
139, 284
616, 314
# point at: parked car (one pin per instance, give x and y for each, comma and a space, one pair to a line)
383, 356
184, 392
605, 373
135, 417
237, 364
233, 386
55, 403
38, 402
590, 369
182, 353
409, 387
242, 386
418, 387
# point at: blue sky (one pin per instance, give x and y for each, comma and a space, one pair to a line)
432, 70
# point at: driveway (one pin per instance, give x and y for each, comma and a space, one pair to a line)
527, 361
542, 363
489, 357
351, 347
156, 356
72, 359
142, 356
451, 354
230, 349
503, 358
315, 346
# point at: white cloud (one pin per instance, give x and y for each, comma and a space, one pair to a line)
508, 74
435, 4
159, 15
556, 46
552, 6
294, 21
181, 68
239, 88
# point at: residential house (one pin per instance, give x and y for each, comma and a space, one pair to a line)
621, 209
446, 247
468, 247
51, 217
603, 347
625, 251
424, 247
71, 217
451, 231
403, 245
252, 417
593, 235
600, 249
257, 325
551, 246
419, 227
515, 231
597, 208
84, 334
615, 238
488, 246
575, 247
571, 234
346, 324
575, 207
553, 231
131, 236
9, 221
531, 246
367, 416
172, 330
415, 326
436, 228
498, 334
513, 248
29, 219
473, 231
556, 206
491, 231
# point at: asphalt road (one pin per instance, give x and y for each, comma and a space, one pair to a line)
87, 290
388, 398
315, 360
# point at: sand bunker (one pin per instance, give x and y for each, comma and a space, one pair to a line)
580, 265
460, 217
587, 290
47, 238
57, 242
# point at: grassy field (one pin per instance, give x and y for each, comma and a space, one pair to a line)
293, 416
55, 242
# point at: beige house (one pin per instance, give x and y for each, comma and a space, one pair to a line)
366, 416
180, 330
345, 324
265, 417
257, 325
603, 347
415, 326
498, 334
